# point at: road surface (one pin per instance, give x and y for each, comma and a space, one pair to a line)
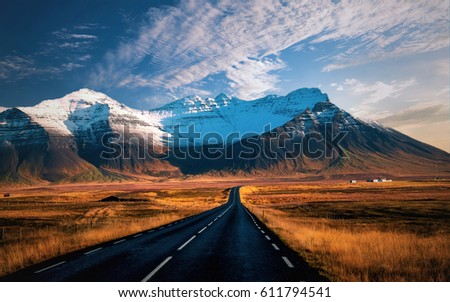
226, 243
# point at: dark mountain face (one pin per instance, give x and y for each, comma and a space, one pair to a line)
31, 153
322, 140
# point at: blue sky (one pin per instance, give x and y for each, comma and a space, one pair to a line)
379, 60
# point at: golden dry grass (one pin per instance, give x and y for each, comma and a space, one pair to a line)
36, 228
352, 234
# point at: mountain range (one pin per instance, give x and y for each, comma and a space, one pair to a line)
88, 136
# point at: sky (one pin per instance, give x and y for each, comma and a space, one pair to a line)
386, 61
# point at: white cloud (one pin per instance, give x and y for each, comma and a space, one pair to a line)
84, 58
187, 43
14, 68
20, 67
337, 86
370, 95
83, 36
377, 91
72, 39
251, 78
71, 66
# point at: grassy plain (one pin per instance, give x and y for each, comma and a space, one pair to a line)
395, 231
40, 224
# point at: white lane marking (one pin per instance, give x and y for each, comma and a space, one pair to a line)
93, 251
259, 228
49, 267
186, 243
137, 235
161, 228
263, 232
120, 241
169, 225
153, 272
288, 263
275, 247
209, 224
201, 231
215, 219
267, 237
151, 231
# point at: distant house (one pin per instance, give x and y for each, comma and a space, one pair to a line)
379, 179
384, 180
353, 181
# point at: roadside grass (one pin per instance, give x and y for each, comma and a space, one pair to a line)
37, 228
364, 232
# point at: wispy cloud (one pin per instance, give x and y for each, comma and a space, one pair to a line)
428, 122
419, 113
72, 38
369, 95
20, 67
13, 68
184, 44
68, 50
377, 91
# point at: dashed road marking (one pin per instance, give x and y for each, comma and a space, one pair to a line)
288, 263
267, 237
263, 232
186, 243
93, 251
151, 231
49, 267
137, 235
201, 231
209, 224
119, 241
275, 247
153, 272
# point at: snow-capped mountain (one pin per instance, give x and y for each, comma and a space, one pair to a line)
3, 109
66, 139
85, 112
225, 116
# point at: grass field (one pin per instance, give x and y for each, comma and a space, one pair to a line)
395, 231
40, 225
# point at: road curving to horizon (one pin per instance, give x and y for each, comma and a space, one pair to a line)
227, 243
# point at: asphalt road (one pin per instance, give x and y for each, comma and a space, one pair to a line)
226, 243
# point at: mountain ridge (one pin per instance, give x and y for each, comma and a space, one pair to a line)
65, 139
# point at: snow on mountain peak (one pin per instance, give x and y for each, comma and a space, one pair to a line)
85, 110
305, 92
3, 109
225, 115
